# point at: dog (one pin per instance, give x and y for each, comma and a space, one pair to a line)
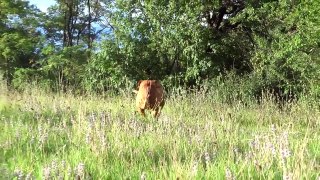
150, 95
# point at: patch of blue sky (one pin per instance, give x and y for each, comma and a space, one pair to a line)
42, 4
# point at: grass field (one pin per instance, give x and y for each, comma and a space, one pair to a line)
62, 136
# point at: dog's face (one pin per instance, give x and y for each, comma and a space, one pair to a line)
150, 95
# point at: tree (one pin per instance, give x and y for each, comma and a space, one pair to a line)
191, 40
76, 22
71, 29
286, 53
19, 37
103, 43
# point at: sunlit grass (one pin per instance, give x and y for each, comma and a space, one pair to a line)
46, 135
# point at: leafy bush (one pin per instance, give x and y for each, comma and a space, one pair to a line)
285, 57
104, 71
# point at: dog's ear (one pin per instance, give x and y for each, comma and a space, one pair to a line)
158, 84
138, 84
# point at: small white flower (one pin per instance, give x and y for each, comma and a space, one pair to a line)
229, 175
80, 169
143, 176
46, 173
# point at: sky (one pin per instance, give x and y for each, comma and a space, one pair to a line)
42, 4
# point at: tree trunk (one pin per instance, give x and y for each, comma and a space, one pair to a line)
70, 25
65, 29
89, 25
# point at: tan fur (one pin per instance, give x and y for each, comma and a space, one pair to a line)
150, 95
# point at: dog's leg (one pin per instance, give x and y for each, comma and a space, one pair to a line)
142, 112
156, 112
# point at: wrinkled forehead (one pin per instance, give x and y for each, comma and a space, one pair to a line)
151, 82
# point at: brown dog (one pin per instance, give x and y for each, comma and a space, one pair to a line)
150, 95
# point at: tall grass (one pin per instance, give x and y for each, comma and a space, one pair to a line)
198, 136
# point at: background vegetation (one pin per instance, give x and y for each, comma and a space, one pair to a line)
90, 45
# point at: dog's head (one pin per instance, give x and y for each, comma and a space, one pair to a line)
154, 82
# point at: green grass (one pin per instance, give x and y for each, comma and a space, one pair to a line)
46, 135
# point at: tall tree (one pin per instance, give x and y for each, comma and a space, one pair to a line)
188, 39
71, 27
76, 22
19, 36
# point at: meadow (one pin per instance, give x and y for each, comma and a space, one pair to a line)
47, 135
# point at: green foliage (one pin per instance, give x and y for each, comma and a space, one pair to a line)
65, 66
18, 37
22, 78
96, 46
285, 38
161, 39
104, 71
